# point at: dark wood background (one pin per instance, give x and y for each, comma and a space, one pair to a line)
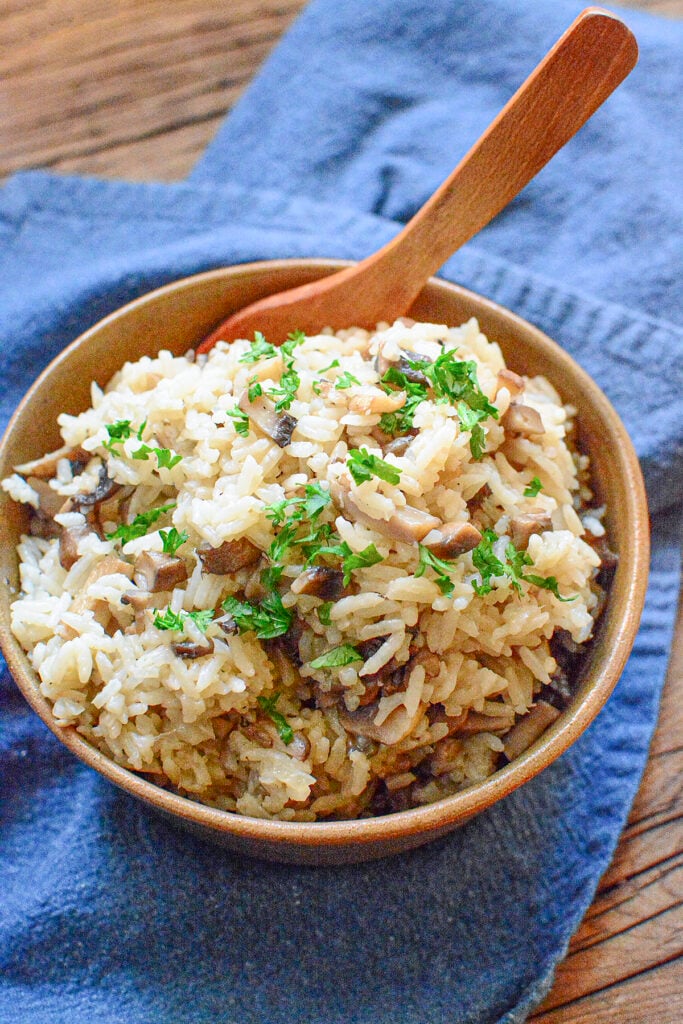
136, 89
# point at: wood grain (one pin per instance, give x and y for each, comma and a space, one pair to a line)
136, 89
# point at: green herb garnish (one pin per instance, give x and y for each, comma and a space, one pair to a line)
202, 619
441, 568
324, 613
240, 420
345, 380
267, 619
176, 620
166, 459
364, 466
259, 349
469, 420
284, 729
338, 657
254, 389
118, 433
490, 566
333, 365
140, 525
172, 540
534, 487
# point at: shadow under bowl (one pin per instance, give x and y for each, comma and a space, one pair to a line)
177, 317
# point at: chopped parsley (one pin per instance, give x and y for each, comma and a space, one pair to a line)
285, 391
315, 499
349, 559
267, 620
534, 487
490, 566
240, 420
364, 466
166, 459
469, 420
140, 525
254, 388
441, 568
284, 729
118, 433
324, 613
338, 657
259, 349
332, 366
345, 380
176, 620
172, 540
141, 429
452, 380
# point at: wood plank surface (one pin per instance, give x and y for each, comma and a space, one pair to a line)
136, 89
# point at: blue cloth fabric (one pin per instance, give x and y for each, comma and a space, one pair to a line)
107, 911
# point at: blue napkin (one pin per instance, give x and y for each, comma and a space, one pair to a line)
107, 911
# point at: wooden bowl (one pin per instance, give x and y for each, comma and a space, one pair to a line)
179, 316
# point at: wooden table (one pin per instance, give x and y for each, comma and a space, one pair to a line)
136, 89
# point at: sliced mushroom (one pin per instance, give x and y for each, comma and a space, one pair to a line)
258, 734
319, 581
69, 540
446, 757
227, 625
527, 730
522, 527
138, 599
192, 649
85, 502
109, 566
452, 539
49, 501
399, 446
231, 556
408, 524
476, 723
40, 525
510, 380
374, 400
45, 468
155, 571
393, 729
279, 426
522, 420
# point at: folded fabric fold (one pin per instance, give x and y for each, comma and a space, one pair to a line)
108, 910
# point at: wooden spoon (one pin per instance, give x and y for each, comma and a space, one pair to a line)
586, 64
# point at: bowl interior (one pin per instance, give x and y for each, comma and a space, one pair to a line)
177, 317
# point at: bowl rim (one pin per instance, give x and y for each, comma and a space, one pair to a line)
428, 818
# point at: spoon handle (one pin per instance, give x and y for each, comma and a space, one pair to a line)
586, 64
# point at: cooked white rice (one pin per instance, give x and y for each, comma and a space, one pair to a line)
438, 678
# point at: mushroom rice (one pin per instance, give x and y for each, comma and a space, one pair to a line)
336, 578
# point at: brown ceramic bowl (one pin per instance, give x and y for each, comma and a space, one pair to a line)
179, 316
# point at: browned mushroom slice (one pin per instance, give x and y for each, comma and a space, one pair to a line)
155, 571
522, 420
231, 556
527, 730
49, 501
191, 649
476, 723
510, 380
452, 539
522, 527
446, 757
320, 581
227, 625
393, 729
408, 524
279, 426
109, 566
46, 467
137, 599
399, 445
68, 545
105, 488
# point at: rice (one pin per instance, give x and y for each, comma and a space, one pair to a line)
318, 581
